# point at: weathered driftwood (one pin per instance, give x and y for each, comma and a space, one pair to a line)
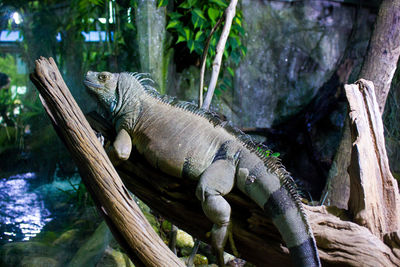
122, 215
374, 197
341, 242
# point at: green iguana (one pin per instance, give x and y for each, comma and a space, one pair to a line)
183, 141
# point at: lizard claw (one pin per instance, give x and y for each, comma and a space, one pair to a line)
231, 242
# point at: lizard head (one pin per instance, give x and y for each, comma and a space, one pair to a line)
102, 84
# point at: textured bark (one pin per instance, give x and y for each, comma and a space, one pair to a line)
121, 213
384, 50
374, 196
379, 67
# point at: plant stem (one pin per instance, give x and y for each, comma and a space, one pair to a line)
230, 14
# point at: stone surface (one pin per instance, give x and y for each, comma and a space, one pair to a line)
12, 254
91, 252
292, 50
39, 262
114, 258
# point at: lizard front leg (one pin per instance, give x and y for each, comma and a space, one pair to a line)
121, 148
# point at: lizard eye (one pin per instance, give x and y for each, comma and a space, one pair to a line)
102, 77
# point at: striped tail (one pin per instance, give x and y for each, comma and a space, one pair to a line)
282, 204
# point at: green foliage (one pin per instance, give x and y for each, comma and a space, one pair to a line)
11, 128
191, 22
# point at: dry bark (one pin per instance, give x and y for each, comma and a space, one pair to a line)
121, 213
374, 196
384, 50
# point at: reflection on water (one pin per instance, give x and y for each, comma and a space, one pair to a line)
22, 213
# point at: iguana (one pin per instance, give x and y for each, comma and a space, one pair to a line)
183, 141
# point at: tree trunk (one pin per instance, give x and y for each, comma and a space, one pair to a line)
113, 200
384, 50
379, 67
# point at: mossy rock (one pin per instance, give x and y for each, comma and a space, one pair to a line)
39, 262
10, 254
114, 258
183, 239
67, 239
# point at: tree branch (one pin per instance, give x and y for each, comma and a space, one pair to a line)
113, 200
204, 58
230, 14
384, 50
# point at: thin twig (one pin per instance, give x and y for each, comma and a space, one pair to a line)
230, 14
204, 58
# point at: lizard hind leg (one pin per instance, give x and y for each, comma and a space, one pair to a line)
217, 181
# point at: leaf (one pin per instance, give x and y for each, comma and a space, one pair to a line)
233, 42
173, 24
228, 82
213, 14
190, 45
238, 21
243, 49
235, 55
276, 154
162, 3
226, 54
197, 17
199, 13
198, 35
188, 4
180, 39
175, 15
231, 72
195, 21
219, 3
187, 33
223, 87
198, 47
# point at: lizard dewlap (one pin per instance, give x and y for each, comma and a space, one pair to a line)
181, 140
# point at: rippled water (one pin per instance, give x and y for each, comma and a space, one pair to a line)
22, 212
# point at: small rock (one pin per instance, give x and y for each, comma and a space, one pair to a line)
114, 258
11, 253
67, 238
183, 239
39, 262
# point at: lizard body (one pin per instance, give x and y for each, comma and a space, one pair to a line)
186, 142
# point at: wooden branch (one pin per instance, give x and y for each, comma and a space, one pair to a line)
340, 241
230, 14
384, 50
374, 197
204, 58
121, 213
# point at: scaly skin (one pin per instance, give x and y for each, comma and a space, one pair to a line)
184, 142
